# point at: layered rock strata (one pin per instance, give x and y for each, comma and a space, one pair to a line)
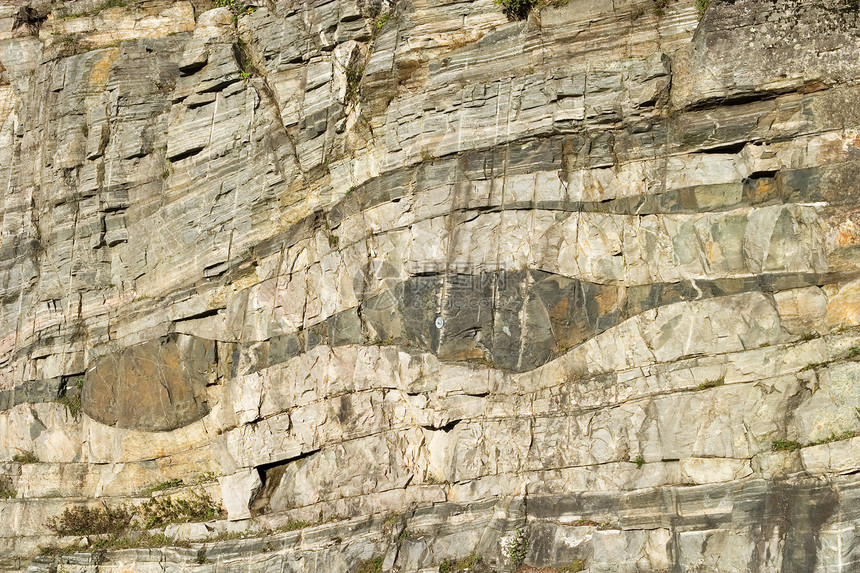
394, 284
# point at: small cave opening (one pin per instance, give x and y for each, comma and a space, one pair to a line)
271, 476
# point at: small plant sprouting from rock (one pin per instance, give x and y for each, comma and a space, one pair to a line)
702, 7
813, 366
169, 484
25, 458
382, 20
834, 437
70, 397
293, 526
853, 352
520, 9
389, 341
370, 566
517, 9
660, 7
204, 477
245, 58
807, 336
785, 446
639, 461
574, 567
161, 511
793, 445
140, 540
72, 403
467, 563
518, 548
238, 8
354, 73
711, 384
121, 527
91, 521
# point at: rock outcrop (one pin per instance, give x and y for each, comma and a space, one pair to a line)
410, 286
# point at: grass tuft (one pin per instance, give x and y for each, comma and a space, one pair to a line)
785, 446
91, 521
72, 403
370, 566
169, 484
25, 458
834, 437
469, 562
165, 510
711, 384
574, 567
293, 526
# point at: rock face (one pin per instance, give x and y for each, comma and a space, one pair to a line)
157, 385
398, 285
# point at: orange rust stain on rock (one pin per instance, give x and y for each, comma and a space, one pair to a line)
609, 299
852, 139
763, 189
847, 234
710, 249
101, 69
843, 308
559, 311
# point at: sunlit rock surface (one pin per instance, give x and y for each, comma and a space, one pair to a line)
394, 285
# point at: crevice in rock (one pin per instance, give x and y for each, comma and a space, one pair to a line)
756, 175
199, 315
271, 475
185, 154
727, 149
739, 99
444, 427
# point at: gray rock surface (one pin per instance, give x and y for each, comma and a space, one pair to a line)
393, 284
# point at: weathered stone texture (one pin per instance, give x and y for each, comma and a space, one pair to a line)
158, 385
409, 280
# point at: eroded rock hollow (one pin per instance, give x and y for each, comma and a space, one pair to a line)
359, 286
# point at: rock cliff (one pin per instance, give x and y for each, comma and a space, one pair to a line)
357, 285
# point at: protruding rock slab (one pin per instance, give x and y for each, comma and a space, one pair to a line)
155, 386
238, 490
